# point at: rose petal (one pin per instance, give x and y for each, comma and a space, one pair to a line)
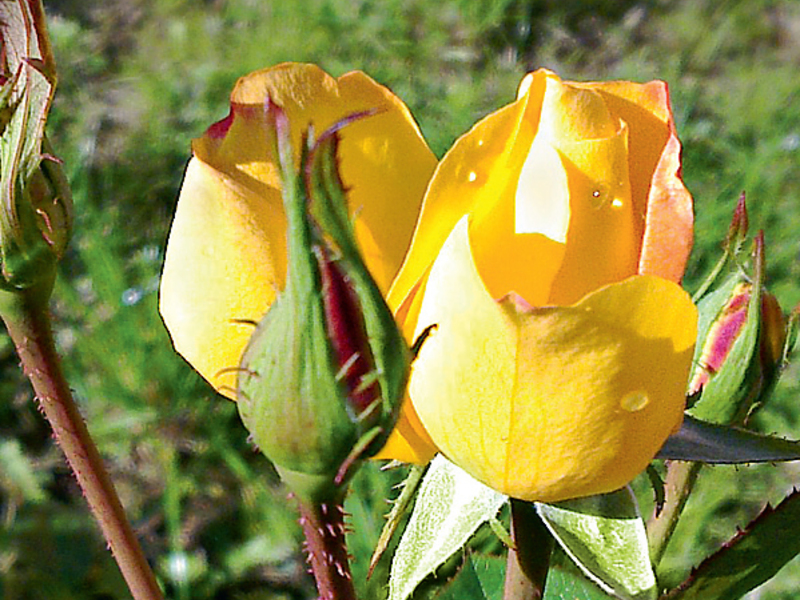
655, 172
552, 403
223, 263
385, 164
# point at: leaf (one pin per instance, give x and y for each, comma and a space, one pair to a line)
606, 537
399, 508
724, 444
480, 578
450, 507
752, 557
565, 581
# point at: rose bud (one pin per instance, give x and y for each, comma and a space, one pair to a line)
740, 348
321, 381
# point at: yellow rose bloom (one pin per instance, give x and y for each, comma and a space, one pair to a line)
549, 251
226, 254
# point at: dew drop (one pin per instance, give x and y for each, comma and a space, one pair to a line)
616, 203
600, 197
472, 177
635, 401
480, 143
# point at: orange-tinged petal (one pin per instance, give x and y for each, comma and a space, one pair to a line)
409, 442
655, 168
550, 403
229, 229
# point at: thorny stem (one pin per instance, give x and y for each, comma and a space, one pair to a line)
678, 484
324, 529
27, 318
529, 560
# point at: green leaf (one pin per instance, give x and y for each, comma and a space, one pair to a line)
750, 558
565, 581
450, 507
399, 509
606, 537
480, 578
724, 444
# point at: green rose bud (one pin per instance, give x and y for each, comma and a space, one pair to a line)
35, 201
742, 337
321, 381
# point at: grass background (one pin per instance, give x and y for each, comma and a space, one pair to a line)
140, 78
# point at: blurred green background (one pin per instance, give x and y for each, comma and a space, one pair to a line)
140, 78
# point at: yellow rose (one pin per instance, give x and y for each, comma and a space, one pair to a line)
226, 254
549, 251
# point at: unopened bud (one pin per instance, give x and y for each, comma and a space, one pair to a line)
322, 379
35, 201
740, 349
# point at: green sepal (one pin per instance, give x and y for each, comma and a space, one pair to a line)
400, 507
728, 395
449, 508
35, 200
565, 581
309, 410
738, 387
328, 207
605, 536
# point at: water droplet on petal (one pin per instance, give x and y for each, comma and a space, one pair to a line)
635, 401
480, 143
472, 177
616, 203
600, 197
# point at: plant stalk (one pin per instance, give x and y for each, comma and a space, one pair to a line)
529, 559
324, 529
678, 484
27, 319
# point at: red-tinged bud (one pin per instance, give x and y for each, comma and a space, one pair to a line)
323, 376
348, 337
741, 347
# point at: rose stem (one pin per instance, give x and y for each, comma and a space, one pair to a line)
680, 480
324, 529
528, 561
27, 319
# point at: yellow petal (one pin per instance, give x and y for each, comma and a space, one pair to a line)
655, 172
550, 403
385, 162
226, 253
408, 442
480, 168
225, 258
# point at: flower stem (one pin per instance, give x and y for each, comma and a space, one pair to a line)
323, 526
27, 319
678, 484
529, 560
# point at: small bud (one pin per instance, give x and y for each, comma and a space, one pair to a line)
740, 349
35, 201
322, 379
